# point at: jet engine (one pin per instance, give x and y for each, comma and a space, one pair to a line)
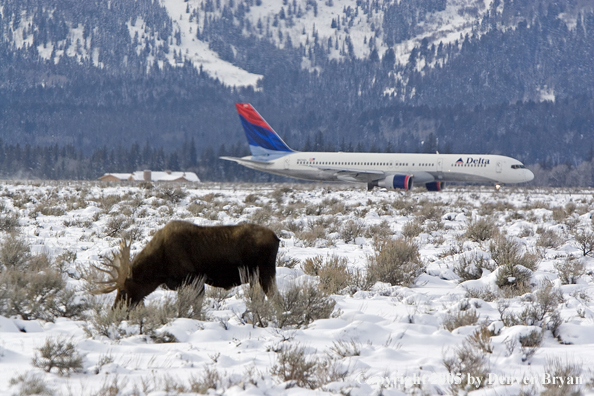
397, 181
435, 186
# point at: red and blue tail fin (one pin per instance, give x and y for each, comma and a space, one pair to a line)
263, 141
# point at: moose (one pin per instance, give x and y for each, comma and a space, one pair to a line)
182, 252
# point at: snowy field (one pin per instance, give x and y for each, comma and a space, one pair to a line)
500, 292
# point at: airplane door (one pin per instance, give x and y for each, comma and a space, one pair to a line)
287, 163
499, 167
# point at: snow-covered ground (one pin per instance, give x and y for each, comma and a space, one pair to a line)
384, 339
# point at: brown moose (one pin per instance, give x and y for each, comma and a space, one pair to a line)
182, 252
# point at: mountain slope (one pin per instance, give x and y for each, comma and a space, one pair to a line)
327, 74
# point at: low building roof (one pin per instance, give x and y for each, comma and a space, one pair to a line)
166, 176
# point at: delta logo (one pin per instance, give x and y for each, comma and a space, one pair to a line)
473, 161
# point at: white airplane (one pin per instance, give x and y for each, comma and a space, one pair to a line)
390, 170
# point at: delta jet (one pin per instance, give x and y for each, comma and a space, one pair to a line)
389, 170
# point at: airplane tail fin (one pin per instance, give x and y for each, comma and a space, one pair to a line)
263, 141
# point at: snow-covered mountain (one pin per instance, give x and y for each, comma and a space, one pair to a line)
342, 27
369, 74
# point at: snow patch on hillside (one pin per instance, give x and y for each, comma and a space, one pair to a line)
198, 52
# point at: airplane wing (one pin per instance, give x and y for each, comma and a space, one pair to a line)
245, 160
352, 175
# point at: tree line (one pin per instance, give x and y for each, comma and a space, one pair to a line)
68, 163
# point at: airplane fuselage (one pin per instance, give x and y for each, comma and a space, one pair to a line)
340, 166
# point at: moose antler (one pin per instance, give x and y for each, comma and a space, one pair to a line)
117, 269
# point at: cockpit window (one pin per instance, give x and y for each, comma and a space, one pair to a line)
520, 166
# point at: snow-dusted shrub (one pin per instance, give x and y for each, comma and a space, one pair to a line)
539, 309
334, 206
279, 193
404, 204
30, 287
351, 230
58, 353
314, 209
585, 241
335, 275
196, 208
310, 236
210, 378
293, 364
147, 319
15, 252
261, 216
32, 384
291, 209
106, 321
532, 339
429, 210
461, 318
481, 229
381, 230
113, 386
106, 202
9, 222
514, 269
300, 305
530, 343
116, 225
260, 311
284, 260
50, 207
546, 300
312, 265
189, 300
434, 226
559, 214
171, 194
549, 239
68, 257
481, 339
396, 262
412, 228
485, 294
556, 368
570, 208
570, 270
121, 321
515, 215
333, 272
343, 349
469, 362
471, 267
297, 306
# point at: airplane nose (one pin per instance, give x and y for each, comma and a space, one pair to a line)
528, 175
